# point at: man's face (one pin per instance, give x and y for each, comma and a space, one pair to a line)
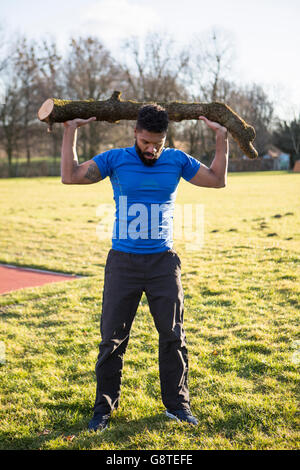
149, 145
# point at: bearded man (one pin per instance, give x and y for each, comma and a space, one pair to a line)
144, 178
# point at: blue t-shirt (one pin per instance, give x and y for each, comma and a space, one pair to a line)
144, 196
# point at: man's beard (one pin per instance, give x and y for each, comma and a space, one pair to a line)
146, 161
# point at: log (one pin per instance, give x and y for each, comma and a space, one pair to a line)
114, 109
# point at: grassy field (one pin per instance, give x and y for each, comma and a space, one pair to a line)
241, 321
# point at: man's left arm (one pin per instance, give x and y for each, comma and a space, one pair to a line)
216, 175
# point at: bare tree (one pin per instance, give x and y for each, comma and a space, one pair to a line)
50, 83
211, 59
4, 55
253, 103
26, 69
287, 137
211, 63
11, 122
10, 105
90, 73
154, 69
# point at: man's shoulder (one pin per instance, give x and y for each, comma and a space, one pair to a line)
111, 153
174, 150
121, 151
176, 154
117, 150
181, 155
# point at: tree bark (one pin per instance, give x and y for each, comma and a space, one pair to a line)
114, 109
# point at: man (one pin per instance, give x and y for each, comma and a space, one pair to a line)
144, 179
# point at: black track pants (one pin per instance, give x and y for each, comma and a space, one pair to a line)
127, 276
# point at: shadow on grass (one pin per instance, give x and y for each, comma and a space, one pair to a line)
239, 419
77, 436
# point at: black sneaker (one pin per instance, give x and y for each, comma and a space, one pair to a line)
182, 415
99, 422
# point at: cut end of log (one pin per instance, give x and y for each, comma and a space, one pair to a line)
46, 109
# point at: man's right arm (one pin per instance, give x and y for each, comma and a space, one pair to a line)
71, 171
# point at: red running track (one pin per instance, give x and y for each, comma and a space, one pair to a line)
14, 278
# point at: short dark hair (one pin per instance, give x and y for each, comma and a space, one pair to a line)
152, 118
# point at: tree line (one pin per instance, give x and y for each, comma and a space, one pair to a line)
149, 69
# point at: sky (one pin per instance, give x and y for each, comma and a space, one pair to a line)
266, 33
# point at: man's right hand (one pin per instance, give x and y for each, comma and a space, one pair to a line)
75, 123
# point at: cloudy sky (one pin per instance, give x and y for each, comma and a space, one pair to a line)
266, 33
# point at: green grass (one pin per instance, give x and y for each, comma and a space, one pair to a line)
241, 321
